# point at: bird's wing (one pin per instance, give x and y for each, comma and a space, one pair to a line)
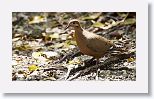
98, 44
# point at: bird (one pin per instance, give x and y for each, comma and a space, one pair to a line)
90, 43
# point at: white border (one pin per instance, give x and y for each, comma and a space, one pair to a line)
9, 86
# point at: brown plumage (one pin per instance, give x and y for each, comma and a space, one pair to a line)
88, 42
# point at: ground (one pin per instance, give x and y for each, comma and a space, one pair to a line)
42, 50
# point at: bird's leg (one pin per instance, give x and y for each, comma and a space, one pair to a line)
98, 70
97, 61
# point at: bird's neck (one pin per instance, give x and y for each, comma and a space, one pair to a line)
79, 35
78, 31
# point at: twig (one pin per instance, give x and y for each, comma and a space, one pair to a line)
55, 68
75, 76
69, 56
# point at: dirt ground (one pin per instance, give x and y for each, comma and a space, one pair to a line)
42, 50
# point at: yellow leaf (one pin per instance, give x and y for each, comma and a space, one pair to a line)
111, 23
73, 43
54, 36
37, 19
24, 47
59, 45
75, 61
131, 59
36, 55
33, 68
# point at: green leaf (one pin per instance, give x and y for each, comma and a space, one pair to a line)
129, 21
98, 24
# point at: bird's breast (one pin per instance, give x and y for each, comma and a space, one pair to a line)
82, 44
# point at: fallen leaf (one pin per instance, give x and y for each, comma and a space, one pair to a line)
98, 24
75, 61
32, 68
92, 17
36, 55
131, 59
128, 21
64, 37
15, 39
54, 36
24, 47
59, 45
111, 23
37, 19
50, 54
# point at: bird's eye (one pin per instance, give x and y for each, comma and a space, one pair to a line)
73, 22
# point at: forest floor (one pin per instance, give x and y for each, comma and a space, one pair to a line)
42, 50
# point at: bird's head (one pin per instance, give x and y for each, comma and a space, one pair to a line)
73, 23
